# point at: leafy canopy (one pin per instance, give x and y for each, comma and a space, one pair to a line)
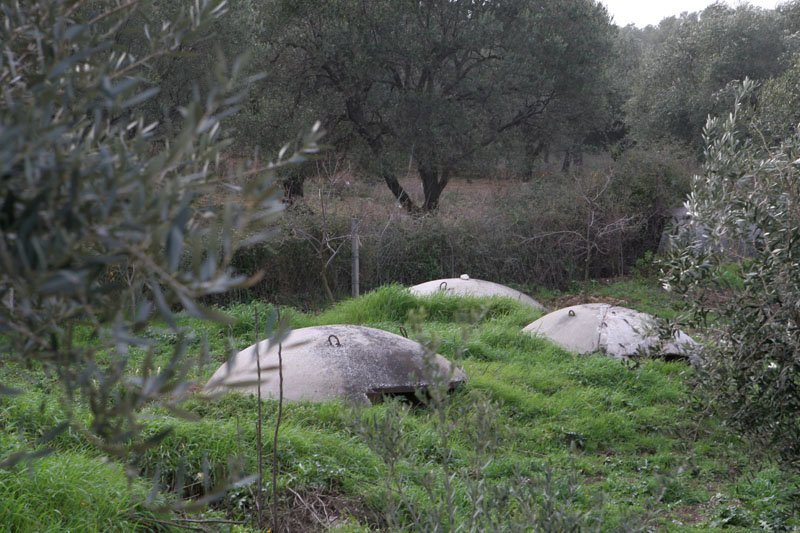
442, 81
689, 61
105, 222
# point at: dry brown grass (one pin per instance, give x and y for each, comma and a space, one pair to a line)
320, 510
520, 232
348, 194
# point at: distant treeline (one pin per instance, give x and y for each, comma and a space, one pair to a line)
459, 86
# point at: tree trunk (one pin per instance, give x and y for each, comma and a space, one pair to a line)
433, 183
567, 161
573, 155
323, 274
355, 113
532, 153
293, 188
399, 192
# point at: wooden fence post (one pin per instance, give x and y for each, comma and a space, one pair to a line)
354, 243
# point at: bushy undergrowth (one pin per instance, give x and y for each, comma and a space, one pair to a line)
746, 204
537, 439
548, 231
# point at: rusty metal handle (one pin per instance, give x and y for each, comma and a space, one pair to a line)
571, 312
443, 286
403, 332
338, 344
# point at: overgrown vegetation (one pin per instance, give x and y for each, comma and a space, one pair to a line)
544, 232
687, 62
538, 437
745, 224
99, 208
531, 144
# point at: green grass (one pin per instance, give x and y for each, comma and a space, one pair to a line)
70, 491
588, 438
638, 293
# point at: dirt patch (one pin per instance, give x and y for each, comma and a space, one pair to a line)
318, 510
691, 515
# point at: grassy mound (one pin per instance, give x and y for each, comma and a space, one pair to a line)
537, 438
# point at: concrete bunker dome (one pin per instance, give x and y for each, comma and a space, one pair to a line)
355, 363
616, 331
466, 286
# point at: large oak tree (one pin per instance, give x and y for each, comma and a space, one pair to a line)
441, 81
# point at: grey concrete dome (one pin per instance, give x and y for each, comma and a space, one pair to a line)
354, 363
616, 331
466, 286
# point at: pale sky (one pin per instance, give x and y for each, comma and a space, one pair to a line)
644, 12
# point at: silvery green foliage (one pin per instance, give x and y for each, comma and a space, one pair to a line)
105, 224
748, 200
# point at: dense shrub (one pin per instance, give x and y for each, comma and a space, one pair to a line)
549, 231
748, 193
